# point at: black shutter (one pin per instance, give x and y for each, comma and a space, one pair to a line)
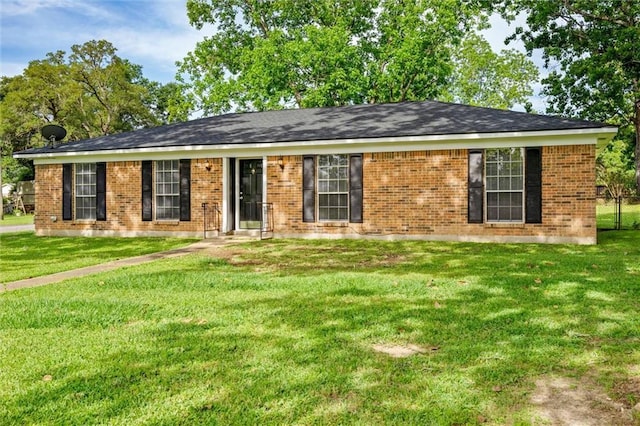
185, 190
67, 182
355, 188
533, 185
101, 191
309, 189
147, 190
476, 187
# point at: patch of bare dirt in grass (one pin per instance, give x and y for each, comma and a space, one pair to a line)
628, 392
563, 401
403, 351
225, 253
305, 257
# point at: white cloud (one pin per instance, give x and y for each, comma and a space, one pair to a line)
154, 34
31, 7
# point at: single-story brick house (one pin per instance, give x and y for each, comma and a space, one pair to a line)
421, 170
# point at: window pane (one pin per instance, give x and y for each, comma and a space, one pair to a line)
492, 199
492, 169
516, 213
516, 198
504, 185
333, 186
167, 186
85, 191
517, 183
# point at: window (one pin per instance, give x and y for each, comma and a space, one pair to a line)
85, 191
504, 183
167, 189
333, 187
84, 188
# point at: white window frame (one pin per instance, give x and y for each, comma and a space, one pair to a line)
341, 168
166, 188
84, 191
501, 177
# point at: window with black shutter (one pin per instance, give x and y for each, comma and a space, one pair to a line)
505, 185
355, 188
308, 189
475, 211
147, 190
101, 191
67, 193
185, 190
533, 185
166, 190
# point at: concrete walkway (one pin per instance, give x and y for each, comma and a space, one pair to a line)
17, 228
103, 267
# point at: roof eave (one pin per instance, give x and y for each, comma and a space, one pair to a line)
597, 135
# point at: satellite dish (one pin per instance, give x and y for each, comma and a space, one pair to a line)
53, 133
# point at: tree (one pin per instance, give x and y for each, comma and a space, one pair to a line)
592, 48
613, 169
483, 77
91, 92
287, 53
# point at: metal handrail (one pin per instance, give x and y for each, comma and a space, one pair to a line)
266, 221
210, 218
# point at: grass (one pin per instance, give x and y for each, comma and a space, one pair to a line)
281, 332
630, 216
12, 220
24, 255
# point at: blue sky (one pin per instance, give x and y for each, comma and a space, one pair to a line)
151, 33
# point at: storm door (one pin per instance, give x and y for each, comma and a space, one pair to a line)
250, 194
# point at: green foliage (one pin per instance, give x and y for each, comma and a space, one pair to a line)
484, 78
283, 332
283, 54
591, 46
14, 170
91, 92
614, 169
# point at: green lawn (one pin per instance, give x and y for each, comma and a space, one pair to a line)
24, 255
630, 216
283, 332
10, 219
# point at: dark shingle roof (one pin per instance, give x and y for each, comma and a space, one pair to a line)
349, 122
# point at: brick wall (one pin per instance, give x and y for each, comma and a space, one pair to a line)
124, 205
406, 194
424, 194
